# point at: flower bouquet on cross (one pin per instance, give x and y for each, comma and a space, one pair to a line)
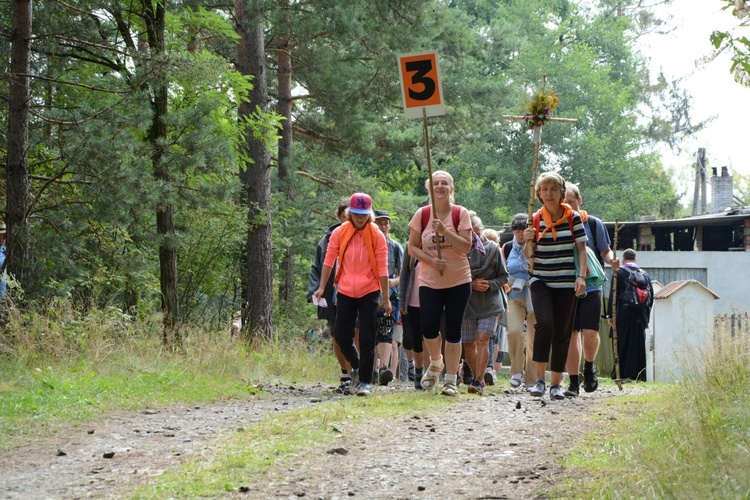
539, 108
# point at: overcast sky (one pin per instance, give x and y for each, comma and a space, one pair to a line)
715, 93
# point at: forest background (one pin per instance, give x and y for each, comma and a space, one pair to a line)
186, 157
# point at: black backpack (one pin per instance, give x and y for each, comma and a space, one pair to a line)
637, 293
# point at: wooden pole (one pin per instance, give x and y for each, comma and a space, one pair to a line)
614, 314
530, 248
429, 177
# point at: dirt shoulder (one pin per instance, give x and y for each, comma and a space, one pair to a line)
502, 445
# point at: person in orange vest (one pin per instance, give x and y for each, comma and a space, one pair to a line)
361, 287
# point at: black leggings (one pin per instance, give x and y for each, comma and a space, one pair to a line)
348, 310
412, 329
433, 301
555, 309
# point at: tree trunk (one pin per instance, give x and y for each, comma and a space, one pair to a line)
154, 14
255, 175
284, 109
17, 261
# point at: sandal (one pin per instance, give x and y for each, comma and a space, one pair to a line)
432, 375
450, 389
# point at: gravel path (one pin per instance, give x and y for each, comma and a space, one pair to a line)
504, 445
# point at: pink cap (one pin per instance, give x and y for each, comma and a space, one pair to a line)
360, 203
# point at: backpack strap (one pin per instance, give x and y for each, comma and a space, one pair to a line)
507, 248
456, 213
426, 216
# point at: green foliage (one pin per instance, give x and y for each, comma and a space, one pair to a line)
736, 42
92, 221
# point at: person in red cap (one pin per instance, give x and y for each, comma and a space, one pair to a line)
362, 287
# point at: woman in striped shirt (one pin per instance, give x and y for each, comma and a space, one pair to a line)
554, 284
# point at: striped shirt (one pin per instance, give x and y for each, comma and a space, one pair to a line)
553, 260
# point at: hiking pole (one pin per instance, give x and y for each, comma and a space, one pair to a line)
614, 315
429, 173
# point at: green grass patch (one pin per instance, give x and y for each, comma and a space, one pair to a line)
687, 440
69, 373
274, 442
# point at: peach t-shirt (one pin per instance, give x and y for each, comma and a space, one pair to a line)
457, 270
356, 279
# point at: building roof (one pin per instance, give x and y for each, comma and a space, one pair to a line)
727, 217
671, 288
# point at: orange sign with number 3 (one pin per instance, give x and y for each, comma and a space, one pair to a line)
420, 85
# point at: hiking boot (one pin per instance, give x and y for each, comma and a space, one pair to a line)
489, 376
476, 387
364, 389
555, 392
572, 391
590, 381
385, 376
538, 389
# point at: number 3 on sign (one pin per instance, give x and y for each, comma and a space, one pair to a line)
420, 84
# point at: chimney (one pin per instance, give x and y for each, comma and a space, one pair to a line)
722, 191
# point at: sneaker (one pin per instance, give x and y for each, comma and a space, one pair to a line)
489, 376
385, 376
346, 388
418, 380
572, 391
450, 389
476, 387
410, 373
555, 392
538, 389
364, 389
354, 384
515, 380
590, 381
344, 382
467, 375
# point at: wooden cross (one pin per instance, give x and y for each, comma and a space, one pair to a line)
537, 139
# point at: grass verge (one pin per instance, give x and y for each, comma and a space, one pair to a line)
687, 440
70, 371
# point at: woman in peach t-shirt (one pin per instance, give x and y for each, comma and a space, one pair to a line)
445, 282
